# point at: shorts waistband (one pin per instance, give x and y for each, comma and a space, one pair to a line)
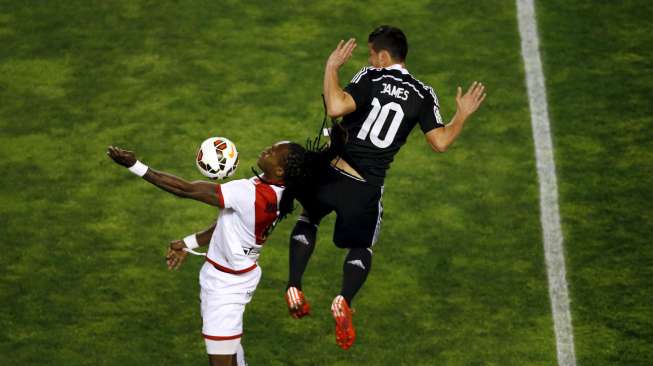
348, 175
229, 270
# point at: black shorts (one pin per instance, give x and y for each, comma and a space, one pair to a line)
357, 205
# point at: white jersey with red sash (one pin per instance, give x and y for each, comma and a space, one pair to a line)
250, 209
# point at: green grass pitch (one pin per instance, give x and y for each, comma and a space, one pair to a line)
459, 275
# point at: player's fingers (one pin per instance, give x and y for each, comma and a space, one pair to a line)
459, 92
481, 99
351, 43
339, 46
352, 48
346, 48
471, 87
171, 257
479, 90
346, 51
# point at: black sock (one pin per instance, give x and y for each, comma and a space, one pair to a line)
355, 269
302, 243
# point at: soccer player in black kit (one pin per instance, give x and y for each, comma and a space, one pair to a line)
380, 106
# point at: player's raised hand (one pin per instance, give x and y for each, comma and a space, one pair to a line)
123, 157
342, 53
176, 254
469, 103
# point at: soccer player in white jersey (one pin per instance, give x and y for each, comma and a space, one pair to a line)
249, 210
379, 108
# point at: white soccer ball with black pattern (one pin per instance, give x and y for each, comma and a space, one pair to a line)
217, 158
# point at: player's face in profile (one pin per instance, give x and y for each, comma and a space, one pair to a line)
273, 157
373, 57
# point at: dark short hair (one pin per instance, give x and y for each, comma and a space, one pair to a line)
391, 39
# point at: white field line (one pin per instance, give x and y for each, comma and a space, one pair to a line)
550, 216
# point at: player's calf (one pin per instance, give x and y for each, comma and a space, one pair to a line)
302, 244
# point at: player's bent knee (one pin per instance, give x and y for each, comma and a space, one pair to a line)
306, 219
352, 244
223, 360
304, 233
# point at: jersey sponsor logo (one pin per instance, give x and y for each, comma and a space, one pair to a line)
252, 252
357, 263
395, 91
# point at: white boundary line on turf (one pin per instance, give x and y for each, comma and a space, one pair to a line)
550, 216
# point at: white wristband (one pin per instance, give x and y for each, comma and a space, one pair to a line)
191, 241
138, 168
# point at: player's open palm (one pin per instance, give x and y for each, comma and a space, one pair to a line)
469, 103
342, 53
123, 157
176, 254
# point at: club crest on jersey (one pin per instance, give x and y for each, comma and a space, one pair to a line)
395, 91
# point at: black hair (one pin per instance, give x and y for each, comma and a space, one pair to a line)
304, 164
295, 176
391, 39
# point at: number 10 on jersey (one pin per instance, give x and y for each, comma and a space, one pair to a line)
375, 121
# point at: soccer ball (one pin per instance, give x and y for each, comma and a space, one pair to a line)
217, 158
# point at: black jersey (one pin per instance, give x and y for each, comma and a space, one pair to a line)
389, 102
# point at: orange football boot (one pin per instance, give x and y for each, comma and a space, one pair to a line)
298, 307
345, 332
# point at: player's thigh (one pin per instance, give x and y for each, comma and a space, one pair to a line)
359, 215
223, 299
318, 203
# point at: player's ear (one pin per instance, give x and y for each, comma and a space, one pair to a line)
385, 58
279, 171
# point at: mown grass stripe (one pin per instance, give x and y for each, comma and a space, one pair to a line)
549, 211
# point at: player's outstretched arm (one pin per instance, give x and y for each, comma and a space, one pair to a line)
338, 102
199, 190
441, 138
176, 253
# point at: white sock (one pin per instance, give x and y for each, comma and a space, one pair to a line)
240, 356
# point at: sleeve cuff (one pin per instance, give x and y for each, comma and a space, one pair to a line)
218, 192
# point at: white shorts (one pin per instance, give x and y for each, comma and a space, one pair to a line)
223, 298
